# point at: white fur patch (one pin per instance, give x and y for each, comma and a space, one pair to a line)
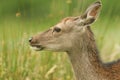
35, 48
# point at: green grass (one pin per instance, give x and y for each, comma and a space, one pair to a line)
19, 62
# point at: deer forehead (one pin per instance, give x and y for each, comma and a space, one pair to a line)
70, 24
66, 23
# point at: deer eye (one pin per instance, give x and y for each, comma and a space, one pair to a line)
56, 29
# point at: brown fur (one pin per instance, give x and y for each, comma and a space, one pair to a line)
77, 40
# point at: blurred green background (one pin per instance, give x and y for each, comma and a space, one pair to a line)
20, 19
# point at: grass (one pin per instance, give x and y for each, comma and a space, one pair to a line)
19, 62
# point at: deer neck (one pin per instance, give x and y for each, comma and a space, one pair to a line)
85, 60
85, 65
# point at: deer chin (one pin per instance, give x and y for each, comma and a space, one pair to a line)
37, 47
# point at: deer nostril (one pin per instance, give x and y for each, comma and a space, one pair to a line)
30, 39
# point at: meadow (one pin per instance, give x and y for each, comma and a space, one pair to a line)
19, 20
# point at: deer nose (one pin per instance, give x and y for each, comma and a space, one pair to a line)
30, 39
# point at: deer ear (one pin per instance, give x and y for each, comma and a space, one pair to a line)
92, 13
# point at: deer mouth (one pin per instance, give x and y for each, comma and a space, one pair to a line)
37, 47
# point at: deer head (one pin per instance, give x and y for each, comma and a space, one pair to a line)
62, 36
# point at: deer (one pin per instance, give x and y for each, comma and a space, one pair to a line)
74, 36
